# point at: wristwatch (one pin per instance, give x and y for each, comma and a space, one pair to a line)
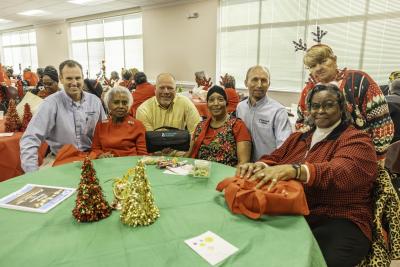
297, 168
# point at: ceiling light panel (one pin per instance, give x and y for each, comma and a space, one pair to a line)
34, 13
89, 2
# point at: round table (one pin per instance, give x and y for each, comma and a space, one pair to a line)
10, 162
188, 207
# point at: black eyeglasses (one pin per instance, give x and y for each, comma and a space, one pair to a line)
327, 105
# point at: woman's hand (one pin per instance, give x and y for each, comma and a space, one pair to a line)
105, 155
248, 169
274, 174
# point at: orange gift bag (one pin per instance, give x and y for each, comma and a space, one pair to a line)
242, 197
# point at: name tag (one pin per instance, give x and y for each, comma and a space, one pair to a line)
262, 121
90, 113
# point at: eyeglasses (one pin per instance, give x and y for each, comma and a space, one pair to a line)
325, 105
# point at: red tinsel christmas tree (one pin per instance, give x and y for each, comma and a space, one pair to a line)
12, 123
90, 203
27, 117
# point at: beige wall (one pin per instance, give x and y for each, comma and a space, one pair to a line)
52, 44
173, 43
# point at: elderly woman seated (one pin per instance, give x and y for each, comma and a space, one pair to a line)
121, 134
338, 165
221, 138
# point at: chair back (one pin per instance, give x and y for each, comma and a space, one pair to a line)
392, 161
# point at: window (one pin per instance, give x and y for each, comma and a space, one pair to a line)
117, 40
19, 50
363, 35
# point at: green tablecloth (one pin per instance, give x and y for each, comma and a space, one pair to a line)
188, 207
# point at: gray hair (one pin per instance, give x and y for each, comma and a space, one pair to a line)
117, 90
261, 67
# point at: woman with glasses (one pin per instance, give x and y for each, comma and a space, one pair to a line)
337, 164
366, 102
49, 81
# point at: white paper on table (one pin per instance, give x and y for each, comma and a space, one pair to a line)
6, 134
211, 247
182, 170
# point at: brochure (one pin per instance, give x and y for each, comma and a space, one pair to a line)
36, 198
211, 247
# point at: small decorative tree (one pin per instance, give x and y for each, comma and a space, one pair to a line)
26, 118
90, 203
138, 208
12, 123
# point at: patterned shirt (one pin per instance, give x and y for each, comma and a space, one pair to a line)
367, 105
60, 121
343, 168
267, 122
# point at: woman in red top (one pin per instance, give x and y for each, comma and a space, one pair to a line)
221, 138
121, 134
337, 164
144, 90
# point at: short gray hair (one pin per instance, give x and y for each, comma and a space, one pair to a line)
117, 90
261, 67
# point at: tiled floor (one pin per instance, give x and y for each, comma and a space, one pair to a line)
395, 264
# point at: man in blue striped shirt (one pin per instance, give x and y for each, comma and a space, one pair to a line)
66, 117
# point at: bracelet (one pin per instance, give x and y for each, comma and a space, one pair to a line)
297, 168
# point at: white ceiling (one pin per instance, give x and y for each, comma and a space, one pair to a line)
60, 10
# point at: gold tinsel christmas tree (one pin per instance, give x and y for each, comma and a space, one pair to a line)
138, 208
90, 203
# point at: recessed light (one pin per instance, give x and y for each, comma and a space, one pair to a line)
34, 12
89, 2
4, 21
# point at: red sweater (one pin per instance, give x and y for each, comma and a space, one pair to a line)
143, 92
342, 168
123, 139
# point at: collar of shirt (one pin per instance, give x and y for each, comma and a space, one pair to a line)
260, 102
321, 133
71, 102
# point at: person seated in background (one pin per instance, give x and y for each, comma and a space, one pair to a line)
228, 82
393, 76
167, 108
39, 73
221, 138
266, 119
93, 86
127, 80
114, 78
66, 117
120, 135
30, 77
144, 90
202, 85
49, 81
393, 100
338, 165
366, 102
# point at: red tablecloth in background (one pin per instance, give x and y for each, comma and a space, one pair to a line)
10, 164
